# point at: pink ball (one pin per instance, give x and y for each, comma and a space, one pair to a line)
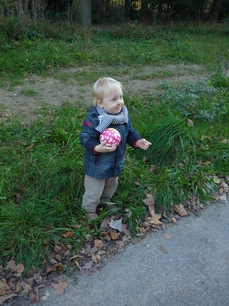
112, 136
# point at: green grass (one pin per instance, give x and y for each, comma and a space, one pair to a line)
41, 164
172, 141
136, 46
41, 183
28, 92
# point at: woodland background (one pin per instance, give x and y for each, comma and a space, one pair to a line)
112, 11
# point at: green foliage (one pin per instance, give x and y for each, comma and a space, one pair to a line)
192, 100
27, 229
165, 189
220, 78
41, 164
28, 92
62, 174
172, 141
44, 48
216, 152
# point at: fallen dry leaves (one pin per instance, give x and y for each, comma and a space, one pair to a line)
180, 210
164, 249
155, 218
45, 296
167, 235
15, 268
60, 287
67, 234
29, 147
113, 236
11, 283
117, 225
96, 258
149, 201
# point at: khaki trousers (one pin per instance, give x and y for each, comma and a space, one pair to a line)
98, 191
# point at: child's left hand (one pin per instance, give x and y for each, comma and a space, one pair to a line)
143, 144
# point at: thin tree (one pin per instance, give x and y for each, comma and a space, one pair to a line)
214, 12
81, 12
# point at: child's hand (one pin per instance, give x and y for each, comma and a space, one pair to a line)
143, 144
103, 148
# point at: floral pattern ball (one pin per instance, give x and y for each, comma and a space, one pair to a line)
112, 136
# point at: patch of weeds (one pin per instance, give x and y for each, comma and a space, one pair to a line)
28, 92
136, 213
174, 185
166, 74
81, 90
3, 83
172, 141
81, 97
129, 197
181, 49
215, 152
220, 79
196, 101
41, 157
85, 75
28, 229
144, 77
133, 103
158, 75
15, 82
45, 55
62, 77
200, 182
163, 188
62, 174
2, 107
32, 81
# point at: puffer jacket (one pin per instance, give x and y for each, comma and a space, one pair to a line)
105, 165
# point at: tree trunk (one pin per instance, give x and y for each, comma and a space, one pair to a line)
144, 7
214, 12
81, 12
107, 6
127, 7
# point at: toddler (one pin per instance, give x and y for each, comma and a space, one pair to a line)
103, 164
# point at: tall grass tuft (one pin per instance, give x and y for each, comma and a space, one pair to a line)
165, 189
27, 229
62, 174
172, 141
218, 154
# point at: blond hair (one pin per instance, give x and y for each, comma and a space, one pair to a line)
100, 84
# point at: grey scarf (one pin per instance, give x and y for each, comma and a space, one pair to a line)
105, 119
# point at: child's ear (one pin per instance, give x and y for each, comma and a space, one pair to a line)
99, 103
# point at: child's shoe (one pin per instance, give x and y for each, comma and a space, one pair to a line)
108, 206
111, 207
92, 216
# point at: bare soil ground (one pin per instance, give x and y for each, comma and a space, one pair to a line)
27, 100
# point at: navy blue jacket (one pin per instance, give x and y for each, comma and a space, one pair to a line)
105, 165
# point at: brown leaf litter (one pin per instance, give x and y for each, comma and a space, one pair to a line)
112, 237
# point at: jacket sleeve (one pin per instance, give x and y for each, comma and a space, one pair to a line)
132, 136
89, 137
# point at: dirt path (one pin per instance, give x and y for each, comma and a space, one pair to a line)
27, 100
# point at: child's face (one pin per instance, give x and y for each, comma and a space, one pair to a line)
112, 101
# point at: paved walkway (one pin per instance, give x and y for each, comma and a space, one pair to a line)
194, 272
